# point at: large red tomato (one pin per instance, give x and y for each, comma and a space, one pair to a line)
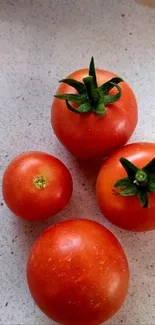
36, 185
125, 188
97, 117
77, 273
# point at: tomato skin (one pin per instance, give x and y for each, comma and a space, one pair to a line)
125, 212
87, 135
20, 193
78, 273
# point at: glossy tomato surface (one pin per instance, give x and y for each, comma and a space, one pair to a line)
36, 185
78, 273
88, 135
125, 212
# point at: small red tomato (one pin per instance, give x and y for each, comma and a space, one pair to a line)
36, 186
78, 273
94, 112
126, 187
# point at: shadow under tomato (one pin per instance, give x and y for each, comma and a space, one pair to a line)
90, 169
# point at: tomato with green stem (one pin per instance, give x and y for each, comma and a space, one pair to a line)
78, 273
94, 112
125, 187
36, 186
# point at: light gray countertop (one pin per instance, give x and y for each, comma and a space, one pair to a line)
40, 42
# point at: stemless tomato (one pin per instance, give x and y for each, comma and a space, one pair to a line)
126, 211
98, 129
78, 273
36, 185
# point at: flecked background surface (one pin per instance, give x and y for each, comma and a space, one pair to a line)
40, 42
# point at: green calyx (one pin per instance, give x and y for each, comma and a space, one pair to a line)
139, 182
90, 97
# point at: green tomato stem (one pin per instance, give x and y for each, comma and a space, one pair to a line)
39, 182
141, 177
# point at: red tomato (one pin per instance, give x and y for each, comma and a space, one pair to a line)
125, 211
88, 135
78, 273
36, 186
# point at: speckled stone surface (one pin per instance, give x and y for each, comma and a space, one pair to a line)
40, 42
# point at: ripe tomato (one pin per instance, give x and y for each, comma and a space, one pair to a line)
78, 273
104, 123
126, 210
36, 186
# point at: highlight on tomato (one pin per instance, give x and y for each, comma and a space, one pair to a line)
36, 186
125, 187
94, 112
78, 273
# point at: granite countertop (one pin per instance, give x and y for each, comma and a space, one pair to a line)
42, 41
